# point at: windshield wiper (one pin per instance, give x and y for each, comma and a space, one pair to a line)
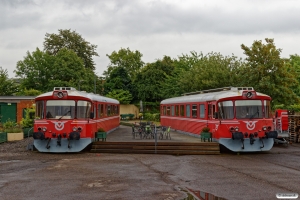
64, 114
257, 112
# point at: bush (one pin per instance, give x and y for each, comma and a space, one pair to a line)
11, 127
152, 117
205, 129
28, 121
100, 130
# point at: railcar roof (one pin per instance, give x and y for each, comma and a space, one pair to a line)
92, 96
212, 96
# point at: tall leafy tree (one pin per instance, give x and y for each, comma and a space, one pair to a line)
118, 79
294, 60
268, 72
149, 82
123, 96
131, 61
73, 41
200, 72
35, 70
42, 71
7, 86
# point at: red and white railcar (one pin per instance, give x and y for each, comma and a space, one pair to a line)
67, 119
239, 117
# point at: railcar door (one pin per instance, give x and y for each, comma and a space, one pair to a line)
211, 109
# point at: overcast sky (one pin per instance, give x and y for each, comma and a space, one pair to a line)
153, 27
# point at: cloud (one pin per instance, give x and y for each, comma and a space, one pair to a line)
153, 27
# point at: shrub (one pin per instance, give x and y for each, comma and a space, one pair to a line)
11, 127
205, 129
28, 121
100, 130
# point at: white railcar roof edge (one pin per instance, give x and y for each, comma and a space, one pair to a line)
92, 96
213, 96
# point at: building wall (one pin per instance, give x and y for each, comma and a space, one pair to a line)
20, 106
129, 109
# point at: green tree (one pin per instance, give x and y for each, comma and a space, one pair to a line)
41, 71
294, 60
123, 96
131, 61
149, 82
118, 79
30, 92
200, 72
7, 86
73, 41
35, 70
268, 72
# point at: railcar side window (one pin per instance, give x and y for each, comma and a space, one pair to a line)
202, 111
102, 110
83, 109
168, 110
108, 110
188, 111
248, 109
60, 109
99, 110
117, 110
267, 109
182, 110
172, 110
226, 110
39, 109
164, 110
194, 111
176, 110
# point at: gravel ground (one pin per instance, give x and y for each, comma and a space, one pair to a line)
32, 175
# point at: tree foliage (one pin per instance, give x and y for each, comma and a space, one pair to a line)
73, 41
149, 82
131, 61
269, 73
123, 96
7, 87
295, 63
43, 72
199, 72
118, 79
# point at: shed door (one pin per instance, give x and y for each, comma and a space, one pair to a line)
8, 111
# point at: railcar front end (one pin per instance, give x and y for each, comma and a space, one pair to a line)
239, 118
66, 120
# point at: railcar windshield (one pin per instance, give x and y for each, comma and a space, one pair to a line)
60, 109
226, 109
248, 109
83, 109
39, 109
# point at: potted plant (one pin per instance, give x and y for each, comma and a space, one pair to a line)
13, 130
100, 134
27, 122
206, 134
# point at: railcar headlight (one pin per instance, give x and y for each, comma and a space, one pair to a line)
236, 129
264, 128
79, 129
74, 128
269, 128
231, 129
39, 128
44, 129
